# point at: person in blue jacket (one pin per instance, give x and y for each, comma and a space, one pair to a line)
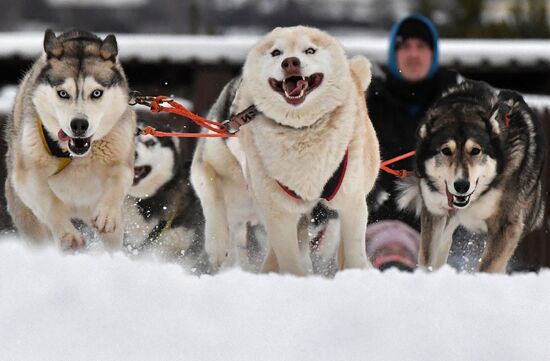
398, 99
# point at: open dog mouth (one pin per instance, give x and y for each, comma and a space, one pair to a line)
295, 88
454, 201
140, 173
77, 146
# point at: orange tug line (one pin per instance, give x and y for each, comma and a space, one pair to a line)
220, 131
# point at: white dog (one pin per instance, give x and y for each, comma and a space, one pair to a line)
311, 140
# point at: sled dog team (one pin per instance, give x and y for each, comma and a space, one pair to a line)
74, 162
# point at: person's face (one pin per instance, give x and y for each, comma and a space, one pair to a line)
414, 58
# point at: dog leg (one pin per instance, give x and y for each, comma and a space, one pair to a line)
238, 214
304, 241
340, 257
282, 233
353, 222
216, 230
441, 249
503, 238
324, 257
270, 263
236, 255
112, 240
36, 194
107, 217
27, 223
430, 253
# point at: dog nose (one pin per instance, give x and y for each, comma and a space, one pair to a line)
291, 65
462, 186
79, 126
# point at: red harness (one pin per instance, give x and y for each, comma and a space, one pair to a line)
331, 187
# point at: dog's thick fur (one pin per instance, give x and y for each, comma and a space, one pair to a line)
163, 214
480, 160
77, 77
299, 143
226, 240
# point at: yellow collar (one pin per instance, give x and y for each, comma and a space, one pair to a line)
53, 148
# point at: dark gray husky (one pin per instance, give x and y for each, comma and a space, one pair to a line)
479, 161
162, 213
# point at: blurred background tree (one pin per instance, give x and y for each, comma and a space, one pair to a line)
454, 18
474, 18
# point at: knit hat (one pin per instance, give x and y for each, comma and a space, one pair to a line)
414, 28
384, 236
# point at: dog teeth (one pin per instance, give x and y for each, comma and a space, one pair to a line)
460, 201
295, 96
302, 91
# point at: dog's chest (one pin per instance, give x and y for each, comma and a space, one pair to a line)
301, 160
475, 216
79, 186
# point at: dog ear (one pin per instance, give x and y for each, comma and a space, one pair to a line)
494, 122
109, 48
423, 131
52, 45
360, 67
507, 100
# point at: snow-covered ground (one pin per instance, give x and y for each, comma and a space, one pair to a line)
109, 307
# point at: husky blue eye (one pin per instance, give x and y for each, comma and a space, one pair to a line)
97, 93
63, 94
149, 143
276, 52
310, 51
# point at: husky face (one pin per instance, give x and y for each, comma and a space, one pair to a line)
296, 75
155, 160
459, 159
81, 90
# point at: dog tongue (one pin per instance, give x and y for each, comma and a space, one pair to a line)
62, 136
294, 91
449, 197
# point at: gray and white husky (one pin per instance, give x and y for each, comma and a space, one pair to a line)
70, 142
480, 161
163, 214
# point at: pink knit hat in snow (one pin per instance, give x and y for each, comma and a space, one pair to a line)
385, 234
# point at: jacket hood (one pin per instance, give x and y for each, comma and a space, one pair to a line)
392, 58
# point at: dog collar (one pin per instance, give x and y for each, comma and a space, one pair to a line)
52, 147
246, 116
331, 187
233, 125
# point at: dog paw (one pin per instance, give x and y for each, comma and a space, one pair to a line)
106, 219
70, 240
216, 253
